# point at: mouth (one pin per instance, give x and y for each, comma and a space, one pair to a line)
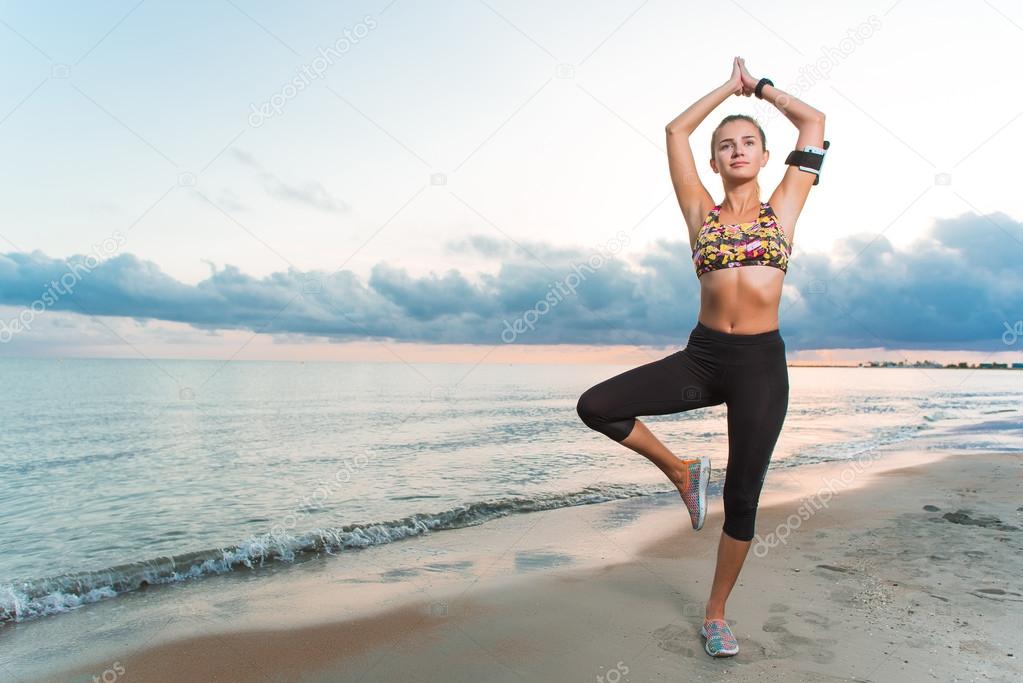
740, 163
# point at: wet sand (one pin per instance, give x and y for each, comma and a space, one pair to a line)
900, 567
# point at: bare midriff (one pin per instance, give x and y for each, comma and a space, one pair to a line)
741, 300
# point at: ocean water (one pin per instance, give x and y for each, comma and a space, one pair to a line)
116, 474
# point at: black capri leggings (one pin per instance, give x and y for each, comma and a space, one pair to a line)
747, 372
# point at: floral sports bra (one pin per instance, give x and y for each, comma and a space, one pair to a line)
760, 243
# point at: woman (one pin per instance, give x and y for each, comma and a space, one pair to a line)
735, 353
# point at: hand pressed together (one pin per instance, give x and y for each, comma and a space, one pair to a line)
741, 81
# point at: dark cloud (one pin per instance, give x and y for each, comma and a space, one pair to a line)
957, 287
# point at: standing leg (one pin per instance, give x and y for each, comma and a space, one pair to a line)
758, 395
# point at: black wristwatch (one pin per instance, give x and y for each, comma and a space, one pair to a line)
760, 87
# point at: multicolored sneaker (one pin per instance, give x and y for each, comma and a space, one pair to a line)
694, 492
721, 641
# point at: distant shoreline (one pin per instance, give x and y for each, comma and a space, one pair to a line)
931, 366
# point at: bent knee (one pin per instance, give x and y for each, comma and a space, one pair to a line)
595, 414
587, 407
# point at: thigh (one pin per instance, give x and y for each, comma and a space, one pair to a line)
673, 384
757, 396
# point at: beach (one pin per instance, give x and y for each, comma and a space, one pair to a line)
900, 566
323, 326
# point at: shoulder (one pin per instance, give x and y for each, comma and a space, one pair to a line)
786, 226
708, 213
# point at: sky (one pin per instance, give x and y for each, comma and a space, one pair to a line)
486, 181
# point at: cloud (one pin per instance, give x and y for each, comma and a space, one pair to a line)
957, 287
309, 193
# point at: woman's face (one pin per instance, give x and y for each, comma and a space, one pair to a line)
737, 151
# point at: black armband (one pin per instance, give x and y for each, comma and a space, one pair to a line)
809, 159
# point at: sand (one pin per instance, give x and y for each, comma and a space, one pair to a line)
903, 566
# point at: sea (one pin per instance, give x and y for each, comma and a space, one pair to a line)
118, 475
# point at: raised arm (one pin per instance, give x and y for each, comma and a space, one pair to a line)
788, 198
693, 198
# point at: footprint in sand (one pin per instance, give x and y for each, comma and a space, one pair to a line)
997, 594
680, 640
814, 618
987, 521
787, 644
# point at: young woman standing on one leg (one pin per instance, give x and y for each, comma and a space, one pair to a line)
735, 353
